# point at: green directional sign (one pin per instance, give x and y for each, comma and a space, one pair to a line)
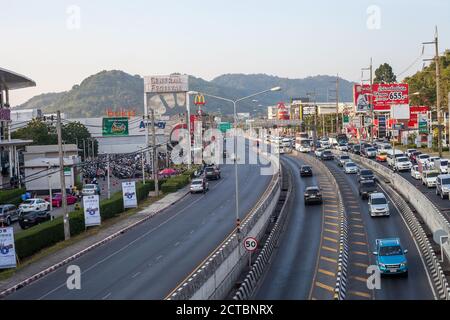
224, 126
115, 127
346, 119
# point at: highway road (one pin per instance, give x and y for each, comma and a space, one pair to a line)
363, 231
300, 268
153, 258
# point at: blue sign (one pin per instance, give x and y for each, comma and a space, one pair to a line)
158, 124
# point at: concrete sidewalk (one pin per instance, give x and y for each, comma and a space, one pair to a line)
55, 260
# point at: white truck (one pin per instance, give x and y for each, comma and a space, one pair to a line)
441, 165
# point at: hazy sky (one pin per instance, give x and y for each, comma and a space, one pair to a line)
288, 38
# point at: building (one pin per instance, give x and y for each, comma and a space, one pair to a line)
9, 148
39, 159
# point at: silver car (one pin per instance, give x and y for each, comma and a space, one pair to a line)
8, 214
199, 185
378, 205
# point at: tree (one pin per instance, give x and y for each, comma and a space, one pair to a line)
37, 130
384, 74
75, 133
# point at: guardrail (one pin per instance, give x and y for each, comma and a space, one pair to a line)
426, 209
216, 276
250, 282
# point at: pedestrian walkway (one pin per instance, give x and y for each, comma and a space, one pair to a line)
95, 240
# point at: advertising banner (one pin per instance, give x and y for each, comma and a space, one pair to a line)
91, 206
382, 95
115, 127
381, 126
7, 248
129, 194
166, 84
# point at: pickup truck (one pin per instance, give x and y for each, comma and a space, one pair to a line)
429, 178
366, 187
391, 257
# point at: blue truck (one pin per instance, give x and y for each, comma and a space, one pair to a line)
391, 257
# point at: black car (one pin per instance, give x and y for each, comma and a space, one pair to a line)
312, 195
356, 149
306, 171
365, 174
32, 218
327, 155
367, 187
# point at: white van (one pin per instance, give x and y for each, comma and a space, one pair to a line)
392, 155
441, 165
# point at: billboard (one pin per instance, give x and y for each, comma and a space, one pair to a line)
383, 96
129, 194
166, 84
400, 111
7, 248
91, 205
115, 127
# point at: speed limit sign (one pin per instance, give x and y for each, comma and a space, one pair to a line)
250, 244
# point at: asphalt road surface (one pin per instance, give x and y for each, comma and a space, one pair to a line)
152, 259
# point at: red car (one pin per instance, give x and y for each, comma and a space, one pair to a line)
57, 199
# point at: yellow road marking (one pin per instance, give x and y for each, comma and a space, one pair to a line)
358, 226
359, 243
359, 278
324, 286
329, 249
360, 253
328, 273
331, 239
332, 217
360, 294
332, 231
359, 234
359, 264
328, 259
331, 223
356, 219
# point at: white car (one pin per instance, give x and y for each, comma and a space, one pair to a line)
342, 147
34, 205
199, 185
304, 149
415, 173
409, 152
350, 167
318, 152
378, 205
431, 160
423, 158
429, 178
402, 164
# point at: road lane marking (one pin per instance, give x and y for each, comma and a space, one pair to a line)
331, 239
359, 243
332, 217
358, 226
135, 275
357, 219
328, 273
328, 259
360, 294
324, 286
359, 278
360, 253
329, 249
107, 296
332, 223
358, 234
158, 258
332, 231
360, 264
177, 244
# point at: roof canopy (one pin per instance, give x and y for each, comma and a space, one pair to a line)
11, 80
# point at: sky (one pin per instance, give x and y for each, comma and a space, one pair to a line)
58, 43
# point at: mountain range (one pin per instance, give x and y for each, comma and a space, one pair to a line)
117, 90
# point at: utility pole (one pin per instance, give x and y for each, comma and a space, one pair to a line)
371, 101
438, 91
108, 176
84, 150
62, 178
337, 105
155, 155
93, 148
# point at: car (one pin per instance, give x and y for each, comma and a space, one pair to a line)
304, 149
409, 152
422, 158
378, 205
443, 185
429, 178
212, 172
8, 214
342, 147
356, 149
392, 156
350, 167
402, 164
36, 204
431, 160
199, 185
306, 171
370, 153
312, 194
381, 156
415, 173
342, 160
32, 218
365, 174
286, 142
390, 256
327, 155
57, 199
414, 155
366, 187
318, 152
441, 165
90, 189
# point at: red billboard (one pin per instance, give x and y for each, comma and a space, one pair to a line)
382, 96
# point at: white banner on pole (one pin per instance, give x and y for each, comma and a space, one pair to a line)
91, 206
129, 194
7, 248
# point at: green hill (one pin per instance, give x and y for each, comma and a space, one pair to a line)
118, 90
